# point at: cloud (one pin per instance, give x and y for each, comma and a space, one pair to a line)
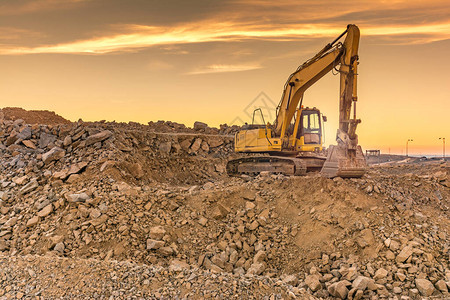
410, 21
18, 7
158, 65
224, 69
139, 37
16, 34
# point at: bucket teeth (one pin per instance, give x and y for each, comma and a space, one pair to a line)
342, 162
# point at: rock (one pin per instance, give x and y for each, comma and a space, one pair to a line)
12, 138
29, 144
406, 252
249, 195
390, 255
203, 221
20, 180
33, 221
67, 141
338, 290
165, 251
29, 187
11, 222
196, 145
366, 239
397, 290
256, 268
425, 287
249, 205
260, 256
351, 273
312, 281
82, 197
46, 139
200, 125
25, 133
394, 245
360, 283
59, 247
45, 211
441, 286
76, 168
99, 221
400, 276
98, 137
134, 169
252, 226
380, 274
209, 185
165, 147
157, 232
219, 212
94, 213
55, 153
178, 266
154, 244
291, 280
186, 144
205, 146
215, 142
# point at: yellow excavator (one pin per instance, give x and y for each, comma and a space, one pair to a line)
293, 144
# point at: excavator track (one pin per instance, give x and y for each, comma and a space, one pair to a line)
273, 164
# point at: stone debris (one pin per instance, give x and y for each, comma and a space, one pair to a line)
147, 211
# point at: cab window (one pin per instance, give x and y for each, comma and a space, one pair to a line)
311, 122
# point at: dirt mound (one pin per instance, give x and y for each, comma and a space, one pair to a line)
33, 116
92, 192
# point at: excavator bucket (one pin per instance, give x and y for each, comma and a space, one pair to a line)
343, 162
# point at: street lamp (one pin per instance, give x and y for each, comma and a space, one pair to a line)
409, 140
443, 146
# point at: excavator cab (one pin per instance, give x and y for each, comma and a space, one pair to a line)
306, 131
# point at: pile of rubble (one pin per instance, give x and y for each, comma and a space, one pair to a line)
153, 207
32, 116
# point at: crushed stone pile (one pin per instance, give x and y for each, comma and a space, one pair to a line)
122, 209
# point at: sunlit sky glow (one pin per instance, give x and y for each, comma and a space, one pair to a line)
207, 60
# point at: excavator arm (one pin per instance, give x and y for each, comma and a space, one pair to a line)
344, 55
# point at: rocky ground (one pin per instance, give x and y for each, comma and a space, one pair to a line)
124, 210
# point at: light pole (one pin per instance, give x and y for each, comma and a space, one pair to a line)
443, 146
409, 140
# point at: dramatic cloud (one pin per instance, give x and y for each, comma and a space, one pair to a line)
139, 37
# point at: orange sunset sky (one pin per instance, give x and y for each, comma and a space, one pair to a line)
208, 60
